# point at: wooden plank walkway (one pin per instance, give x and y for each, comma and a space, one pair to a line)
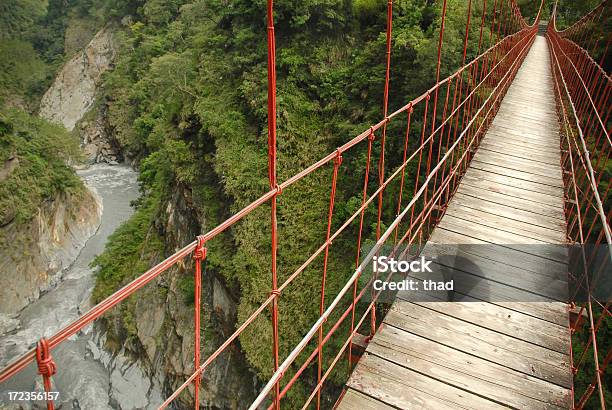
473, 354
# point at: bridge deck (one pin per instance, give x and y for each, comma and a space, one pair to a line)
480, 355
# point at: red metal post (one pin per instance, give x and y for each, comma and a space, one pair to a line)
418, 174
199, 255
381, 162
330, 214
366, 178
460, 86
273, 184
436, 92
401, 191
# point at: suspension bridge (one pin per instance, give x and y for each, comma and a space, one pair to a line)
510, 151
476, 354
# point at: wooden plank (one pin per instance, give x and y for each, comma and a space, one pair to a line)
501, 253
548, 145
501, 320
509, 190
489, 291
517, 308
508, 211
527, 358
543, 140
527, 176
470, 288
523, 95
548, 121
521, 150
536, 143
506, 224
491, 234
533, 86
486, 255
513, 105
555, 312
520, 157
504, 180
517, 104
532, 126
478, 288
509, 260
354, 400
467, 372
536, 310
519, 95
518, 151
524, 88
543, 117
494, 271
405, 389
506, 240
548, 212
519, 164
511, 109
449, 242
536, 135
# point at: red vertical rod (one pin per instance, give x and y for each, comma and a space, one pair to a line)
46, 368
605, 53
418, 174
366, 178
330, 214
494, 17
501, 17
381, 161
353, 304
505, 24
594, 38
371, 138
472, 81
440, 139
273, 185
435, 107
460, 86
199, 255
388, 70
401, 191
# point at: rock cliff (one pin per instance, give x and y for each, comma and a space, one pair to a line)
155, 330
74, 90
74, 93
38, 251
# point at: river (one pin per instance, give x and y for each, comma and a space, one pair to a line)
87, 376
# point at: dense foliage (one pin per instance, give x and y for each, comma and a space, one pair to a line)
188, 99
34, 155
31, 49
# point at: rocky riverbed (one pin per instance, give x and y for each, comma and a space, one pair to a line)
88, 377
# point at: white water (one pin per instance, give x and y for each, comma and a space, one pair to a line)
87, 376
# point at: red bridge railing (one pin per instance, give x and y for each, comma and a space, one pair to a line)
446, 124
582, 90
